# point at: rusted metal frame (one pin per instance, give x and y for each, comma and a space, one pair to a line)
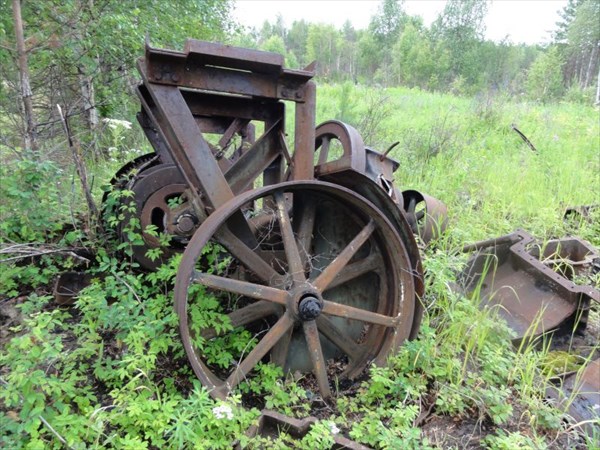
243, 108
255, 160
275, 172
571, 251
176, 69
304, 140
147, 120
194, 155
236, 126
232, 57
188, 146
516, 260
209, 104
153, 135
213, 125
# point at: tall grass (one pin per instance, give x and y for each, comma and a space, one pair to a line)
464, 152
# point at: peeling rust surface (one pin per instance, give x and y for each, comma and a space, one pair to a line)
530, 285
68, 285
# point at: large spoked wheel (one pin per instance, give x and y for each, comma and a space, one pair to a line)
307, 275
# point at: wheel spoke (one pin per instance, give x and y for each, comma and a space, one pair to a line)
356, 269
311, 333
295, 268
250, 258
262, 348
340, 339
280, 350
306, 228
245, 288
333, 269
247, 314
350, 312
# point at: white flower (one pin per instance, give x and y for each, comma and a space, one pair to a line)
115, 123
223, 412
333, 428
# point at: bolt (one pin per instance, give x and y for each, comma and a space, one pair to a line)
174, 78
185, 223
309, 308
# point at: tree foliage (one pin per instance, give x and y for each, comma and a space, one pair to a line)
82, 53
544, 79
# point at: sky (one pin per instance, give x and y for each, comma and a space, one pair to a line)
522, 21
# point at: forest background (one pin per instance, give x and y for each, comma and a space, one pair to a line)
81, 55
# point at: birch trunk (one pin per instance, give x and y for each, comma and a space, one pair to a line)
30, 136
591, 64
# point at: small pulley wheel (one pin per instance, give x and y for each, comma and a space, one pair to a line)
161, 207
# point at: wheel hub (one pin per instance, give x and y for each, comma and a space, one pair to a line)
309, 307
186, 223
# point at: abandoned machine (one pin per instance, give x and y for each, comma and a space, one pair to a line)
298, 234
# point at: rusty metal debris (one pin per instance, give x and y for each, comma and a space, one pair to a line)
68, 285
579, 395
522, 136
580, 213
531, 285
428, 217
272, 424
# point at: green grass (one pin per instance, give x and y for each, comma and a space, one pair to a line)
115, 376
464, 152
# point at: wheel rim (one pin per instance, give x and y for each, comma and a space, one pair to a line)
308, 286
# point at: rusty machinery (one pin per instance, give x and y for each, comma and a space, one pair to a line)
531, 286
306, 248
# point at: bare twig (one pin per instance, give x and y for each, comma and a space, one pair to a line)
81, 171
137, 297
579, 424
22, 251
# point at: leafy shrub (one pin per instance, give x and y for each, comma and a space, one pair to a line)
30, 206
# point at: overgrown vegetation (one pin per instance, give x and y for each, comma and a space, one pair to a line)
110, 371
